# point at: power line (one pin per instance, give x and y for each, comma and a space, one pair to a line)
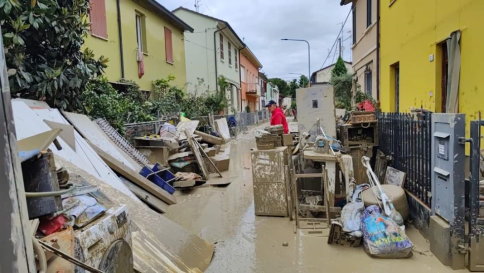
335, 41
198, 45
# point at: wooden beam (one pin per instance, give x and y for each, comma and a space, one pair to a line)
134, 177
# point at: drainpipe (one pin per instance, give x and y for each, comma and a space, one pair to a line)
378, 50
215, 55
240, 80
120, 35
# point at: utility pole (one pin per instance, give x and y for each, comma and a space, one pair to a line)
197, 5
339, 40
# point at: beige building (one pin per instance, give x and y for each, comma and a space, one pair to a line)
365, 40
323, 75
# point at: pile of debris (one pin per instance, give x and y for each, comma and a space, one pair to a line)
86, 186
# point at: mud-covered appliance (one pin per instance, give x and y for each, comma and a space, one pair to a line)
106, 243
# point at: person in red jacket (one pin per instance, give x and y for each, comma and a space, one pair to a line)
278, 116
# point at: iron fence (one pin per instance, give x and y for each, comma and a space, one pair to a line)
407, 139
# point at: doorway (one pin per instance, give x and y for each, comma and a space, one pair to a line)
444, 78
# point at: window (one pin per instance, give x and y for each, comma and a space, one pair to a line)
221, 46
236, 59
368, 13
141, 33
168, 46
98, 19
242, 73
354, 24
230, 52
368, 81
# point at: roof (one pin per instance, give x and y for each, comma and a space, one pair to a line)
344, 2
165, 13
324, 68
263, 76
252, 58
213, 18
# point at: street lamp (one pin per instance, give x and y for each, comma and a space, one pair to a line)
309, 56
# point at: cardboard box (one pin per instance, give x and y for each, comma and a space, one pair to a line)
211, 152
287, 140
221, 161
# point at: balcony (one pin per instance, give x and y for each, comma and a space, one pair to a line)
253, 89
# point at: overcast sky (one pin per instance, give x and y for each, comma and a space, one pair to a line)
262, 24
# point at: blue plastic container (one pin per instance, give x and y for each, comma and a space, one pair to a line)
149, 174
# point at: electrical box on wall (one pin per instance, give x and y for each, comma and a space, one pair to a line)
431, 57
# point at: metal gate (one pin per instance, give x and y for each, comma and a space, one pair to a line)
476, 221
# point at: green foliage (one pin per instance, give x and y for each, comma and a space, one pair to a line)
339, 68
342, 90
293, 86
282, 86
101, 100
43, 42
361, 96
303, 81
293, 105
247, 109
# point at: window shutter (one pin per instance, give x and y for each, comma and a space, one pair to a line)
98, 18
168, 45
221, 46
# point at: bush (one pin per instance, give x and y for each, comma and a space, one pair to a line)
101, 100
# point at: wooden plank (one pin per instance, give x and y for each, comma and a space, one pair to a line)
317, 208
134, 177
39, 142
145, 196
197, 154
209, 138
209, 159
312, 155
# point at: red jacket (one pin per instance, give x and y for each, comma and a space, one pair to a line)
278, 117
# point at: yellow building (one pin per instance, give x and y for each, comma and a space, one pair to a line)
416, 56
144, 25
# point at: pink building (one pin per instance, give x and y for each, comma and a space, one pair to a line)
249, 80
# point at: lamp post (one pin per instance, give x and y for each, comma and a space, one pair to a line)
309, 56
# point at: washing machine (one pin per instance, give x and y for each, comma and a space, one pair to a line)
106, 244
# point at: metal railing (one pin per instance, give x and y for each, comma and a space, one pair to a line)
407, 139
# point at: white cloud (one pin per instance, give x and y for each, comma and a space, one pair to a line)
262, 24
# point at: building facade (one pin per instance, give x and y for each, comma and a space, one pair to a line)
323, 76
147, 44
212, 50
365, 40
419, 49
263, 90
249, 80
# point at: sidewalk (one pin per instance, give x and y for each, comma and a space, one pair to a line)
246, 243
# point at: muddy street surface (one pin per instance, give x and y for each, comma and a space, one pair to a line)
246, 243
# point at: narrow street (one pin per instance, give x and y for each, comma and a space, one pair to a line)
246, 243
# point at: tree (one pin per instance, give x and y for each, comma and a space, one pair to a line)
282, 86
342, 89
303, 81
293, 86
43, 42
339, 68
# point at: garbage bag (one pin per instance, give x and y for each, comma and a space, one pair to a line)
351, 213
382, 237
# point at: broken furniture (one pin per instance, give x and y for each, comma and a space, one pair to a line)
339, 237
328, 178
359, 134
270, 182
